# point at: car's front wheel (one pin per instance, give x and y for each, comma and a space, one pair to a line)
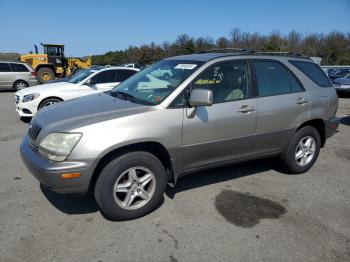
130, 186
49, 102
302, 151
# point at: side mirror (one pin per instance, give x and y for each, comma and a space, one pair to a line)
90, 82
201, 97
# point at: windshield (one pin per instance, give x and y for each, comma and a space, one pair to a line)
153, 84
80, 76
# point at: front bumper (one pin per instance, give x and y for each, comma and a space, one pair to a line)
27, 109
49, 172
331, 126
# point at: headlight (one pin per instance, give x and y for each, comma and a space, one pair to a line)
57, 146
30, 97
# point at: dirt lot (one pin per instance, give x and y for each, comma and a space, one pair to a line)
246, 212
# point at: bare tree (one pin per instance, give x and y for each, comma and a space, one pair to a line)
333, 48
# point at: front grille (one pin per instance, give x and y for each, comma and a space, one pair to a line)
34, 130
16, 99
35, 148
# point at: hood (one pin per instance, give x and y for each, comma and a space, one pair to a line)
44, 87
86, 110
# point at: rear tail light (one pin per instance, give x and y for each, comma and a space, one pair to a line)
34, 73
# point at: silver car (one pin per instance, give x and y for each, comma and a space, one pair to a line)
215, 109
16, 75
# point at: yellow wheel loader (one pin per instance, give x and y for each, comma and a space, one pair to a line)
53, 63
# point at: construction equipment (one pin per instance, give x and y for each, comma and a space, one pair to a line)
53, 63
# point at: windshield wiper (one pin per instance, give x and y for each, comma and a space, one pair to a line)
128, 97
124, 95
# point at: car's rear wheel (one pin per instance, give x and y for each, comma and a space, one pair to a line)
19, 85
302, 151
130, 186
49, 102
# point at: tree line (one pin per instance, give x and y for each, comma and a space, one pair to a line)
333, 48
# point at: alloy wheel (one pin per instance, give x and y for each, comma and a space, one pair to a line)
305, 151
20, 85
134, 188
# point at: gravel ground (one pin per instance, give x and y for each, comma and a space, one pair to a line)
245, 212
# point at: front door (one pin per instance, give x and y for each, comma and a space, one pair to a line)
106, 80
101, 82
221, 132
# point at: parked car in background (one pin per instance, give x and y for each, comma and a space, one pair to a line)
329, 70
16, 75
75, 72
215, 109
339, 73
86, 82
342, 85
133, 65
162, 73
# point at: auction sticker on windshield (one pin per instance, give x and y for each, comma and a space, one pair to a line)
185, 66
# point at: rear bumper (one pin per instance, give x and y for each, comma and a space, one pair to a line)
33, 82
331, 126
49, 172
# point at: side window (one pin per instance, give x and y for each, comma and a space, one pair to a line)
124, 74
107, 76
4, 67
229, 81
312, 71
51, 51
19, 68
182, 99
295, 85
272, 77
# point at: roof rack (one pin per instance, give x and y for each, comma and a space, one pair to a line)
226, 50
280, 54
241, 51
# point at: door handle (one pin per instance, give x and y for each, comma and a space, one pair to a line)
301, 101
246, 109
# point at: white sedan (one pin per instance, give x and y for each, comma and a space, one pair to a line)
87, 82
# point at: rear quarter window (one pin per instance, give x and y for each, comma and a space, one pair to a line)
19, 68
312, 71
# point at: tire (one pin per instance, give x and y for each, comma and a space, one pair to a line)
292, 161
48, 102
45, 74
19, 85
111, 202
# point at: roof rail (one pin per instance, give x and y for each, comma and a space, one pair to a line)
226, 50
281, 54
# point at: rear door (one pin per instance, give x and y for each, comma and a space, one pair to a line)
6, 77
223, 131
283, 104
